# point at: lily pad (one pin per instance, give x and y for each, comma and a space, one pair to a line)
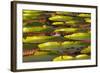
86, 50
31, 11
50, 46
67, 30
34, 24
79, 36
70, 44
37, 29
84, 15
63, 58
60, 18
88, 20
42, 39
58, 23
82, 56
36, 39
40, 53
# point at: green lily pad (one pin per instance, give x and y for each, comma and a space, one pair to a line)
84, 15
34, 24
37, 29
49, 46
66, 13
29, 18
79, 36
63, 58
42, 39
30, 15
32, 11
70, 44
67, 30
36, 39
58, 23
82, 56
60, 18
88, 20
86, 50
40, 53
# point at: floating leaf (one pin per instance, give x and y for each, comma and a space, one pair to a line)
34, 24
88, 20
82, 56
67, 30
77, 44
31, 11
49, 46
86, 50
58, 23
40, 53
79, 36
37, 29
84, 15
66, 13
63, 58
60, 18
36, 39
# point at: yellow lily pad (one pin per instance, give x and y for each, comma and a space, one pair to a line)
82, 56
63, 58
86, 50
40, 53
49, 46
